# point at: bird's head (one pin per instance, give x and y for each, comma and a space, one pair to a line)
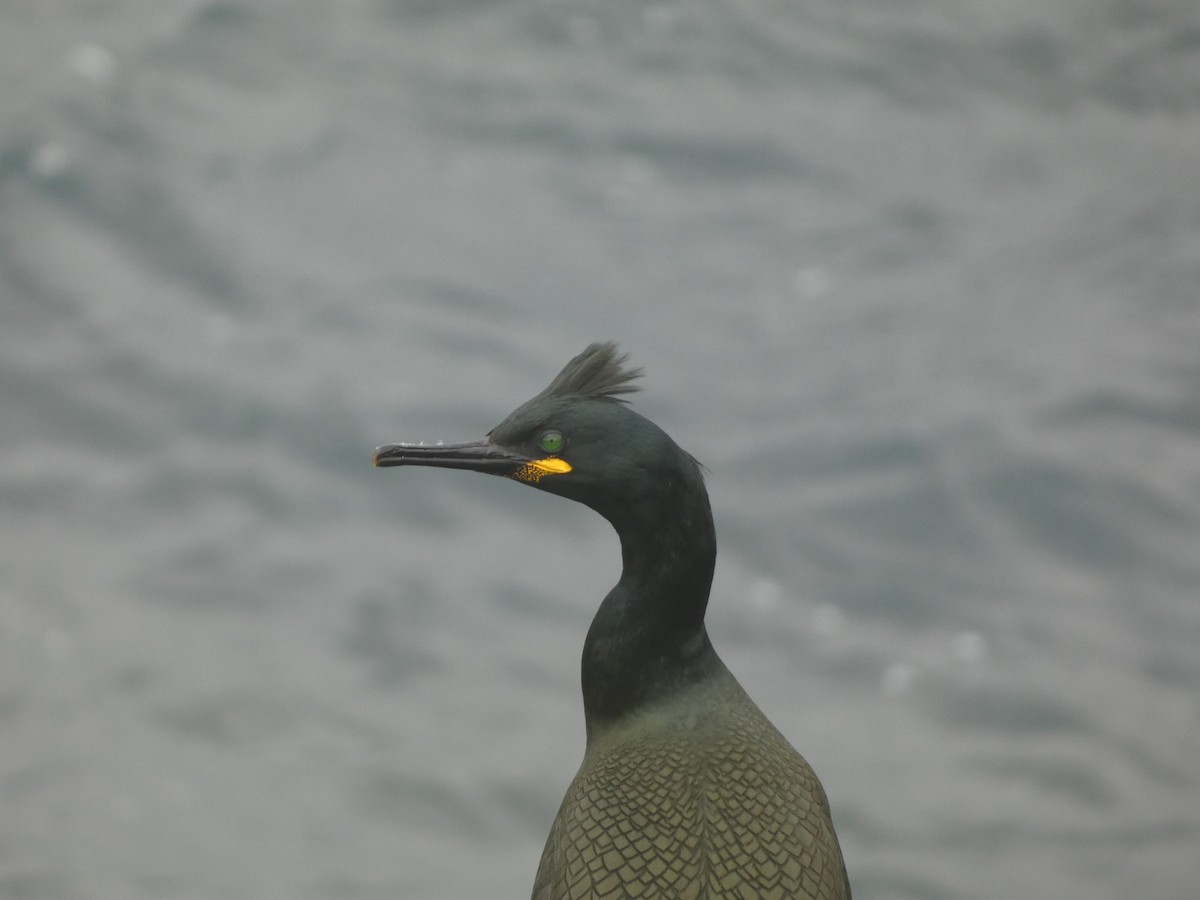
577, 439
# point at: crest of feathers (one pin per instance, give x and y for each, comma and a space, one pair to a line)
598, 373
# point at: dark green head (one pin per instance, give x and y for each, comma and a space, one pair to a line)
578, 439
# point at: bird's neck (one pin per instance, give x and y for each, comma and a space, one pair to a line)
648, 639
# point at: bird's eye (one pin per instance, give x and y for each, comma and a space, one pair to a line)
552, 441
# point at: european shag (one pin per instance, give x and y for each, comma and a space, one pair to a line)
686, 789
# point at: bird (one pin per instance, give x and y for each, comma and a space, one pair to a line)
686, 789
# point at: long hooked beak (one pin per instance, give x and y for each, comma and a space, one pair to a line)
480, 456
477, 456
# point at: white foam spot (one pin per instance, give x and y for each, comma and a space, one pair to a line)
93, 62
969, 648
812, 282
898, 678
50, 160
828, 620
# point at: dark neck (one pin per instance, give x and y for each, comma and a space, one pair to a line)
648, 639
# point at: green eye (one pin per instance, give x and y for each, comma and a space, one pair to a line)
552, 441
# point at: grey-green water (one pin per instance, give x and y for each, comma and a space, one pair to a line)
918, 282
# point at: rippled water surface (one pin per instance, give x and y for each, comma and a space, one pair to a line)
918, 282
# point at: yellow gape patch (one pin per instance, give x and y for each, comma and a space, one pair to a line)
532, 471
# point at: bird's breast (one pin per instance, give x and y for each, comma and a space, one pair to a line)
676, 803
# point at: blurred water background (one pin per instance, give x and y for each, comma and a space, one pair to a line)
918, 281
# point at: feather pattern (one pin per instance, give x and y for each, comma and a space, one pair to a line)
598, 373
